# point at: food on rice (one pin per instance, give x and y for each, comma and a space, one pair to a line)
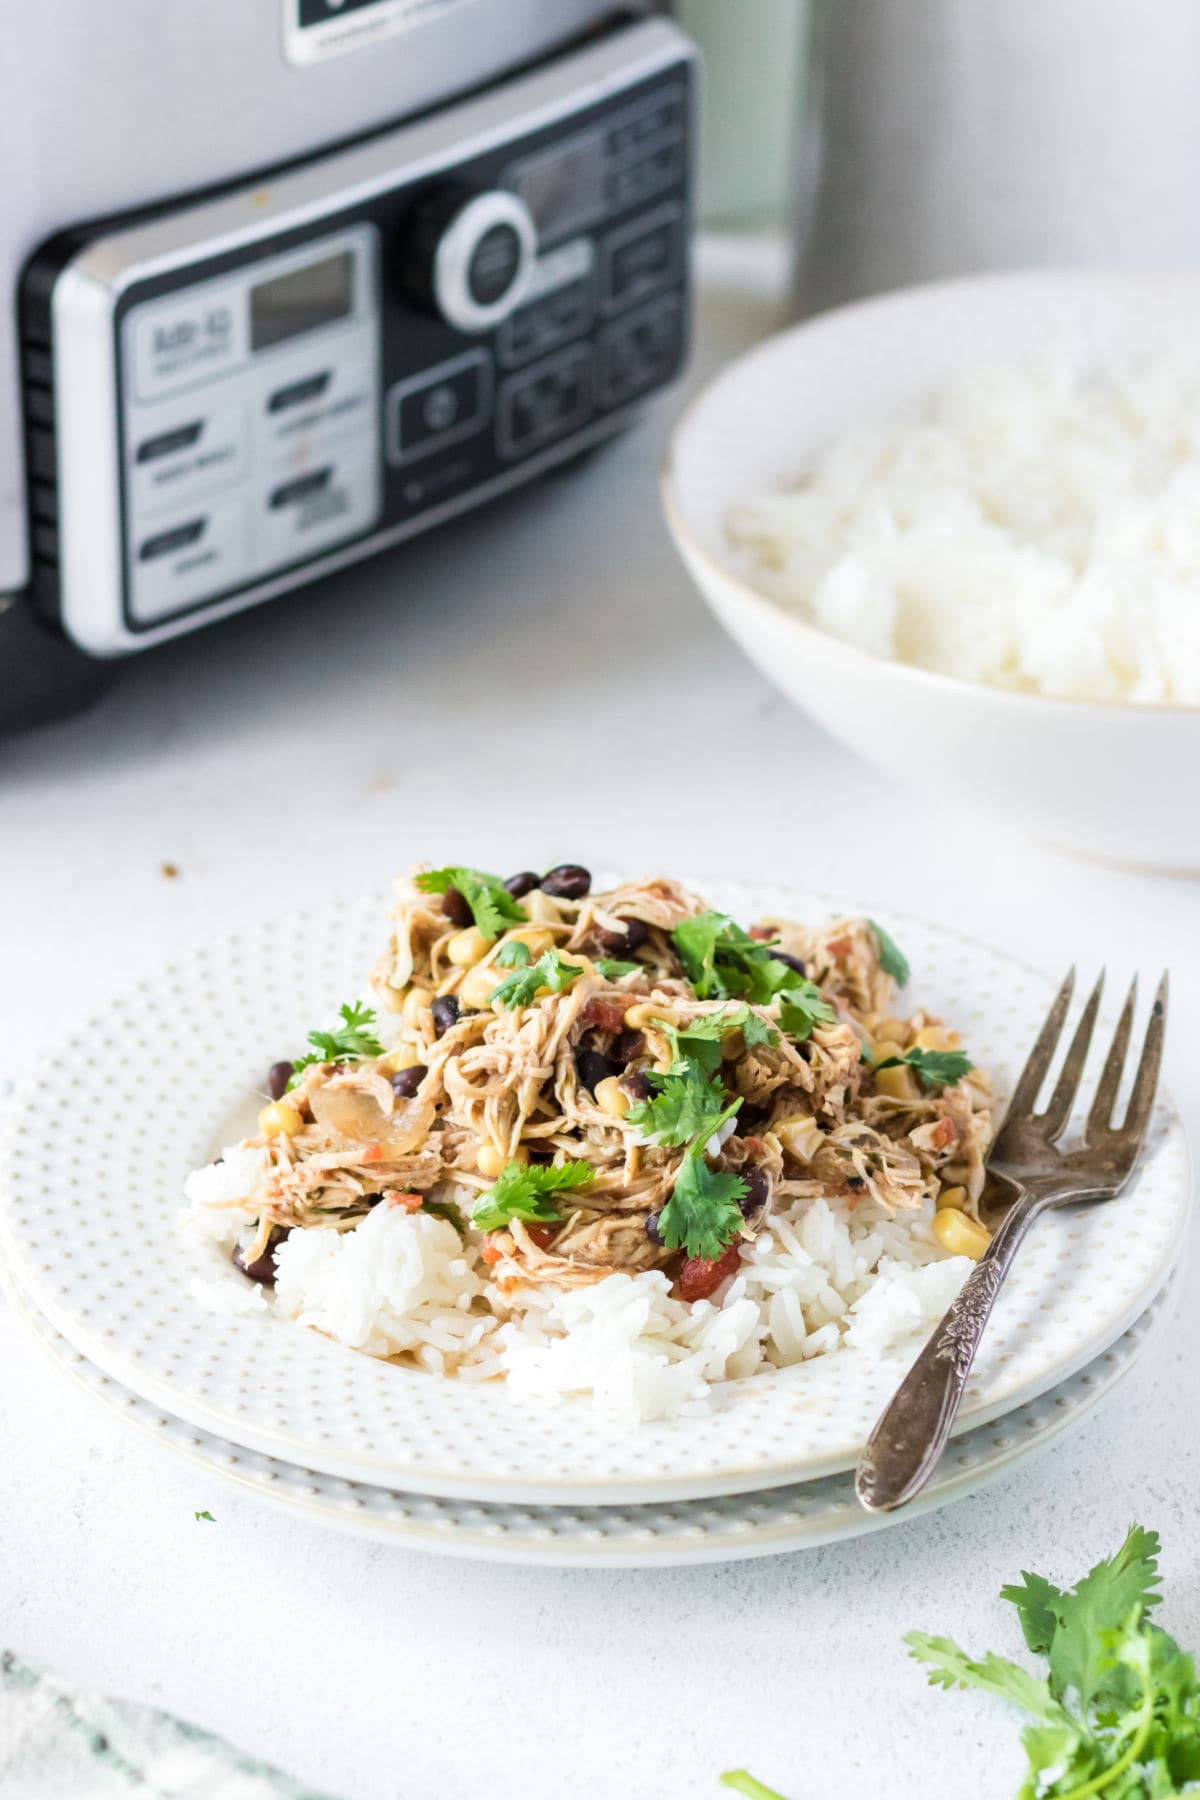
614, 1145
1036, 528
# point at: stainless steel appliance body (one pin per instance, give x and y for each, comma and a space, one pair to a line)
281, 348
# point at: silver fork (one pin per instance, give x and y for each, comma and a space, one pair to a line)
1027, 1170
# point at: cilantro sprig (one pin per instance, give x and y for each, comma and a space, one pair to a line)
936, 1068
492, 906
892, 959
354, 1038
724, 962
1117, 1709
523, 1191
688, 1106
701, 1040
521, 988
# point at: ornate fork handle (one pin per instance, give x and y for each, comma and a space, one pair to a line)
912, 1431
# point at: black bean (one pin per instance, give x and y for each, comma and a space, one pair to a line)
591, 1067
523, 883
637, 1085
751, 1118
631, 937
278, 1076
652, 1227
758, 1192
405, 1082
855, 1183
625, 1047
457, 908
568, 881
793, 962
262, 1269
445, 1010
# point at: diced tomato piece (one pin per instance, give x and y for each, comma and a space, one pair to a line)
408, 1202
542, 1235
944, 1133
701, 1276
840, 947
604, 1012
491, 1252
372, 1153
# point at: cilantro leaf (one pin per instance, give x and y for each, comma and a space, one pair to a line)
523, 1190
702, 1216
521, 987
206, 1515
937, 1068
491, 904
354, 1037
701, 1040
802, 1007
724, 962
687, 1103
742, 1782
950, 1667
892, 959
612, 970
1036, 1601
1079, 1656
516, 955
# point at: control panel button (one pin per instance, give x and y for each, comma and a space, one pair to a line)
440, 406
545, 402
642, 258
304, 403
559, 304
321, 508
640, 350
186, 453
299, 393
469, 256
180, 561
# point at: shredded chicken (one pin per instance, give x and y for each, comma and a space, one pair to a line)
483, 1084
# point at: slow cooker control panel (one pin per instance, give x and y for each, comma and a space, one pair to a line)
254, 389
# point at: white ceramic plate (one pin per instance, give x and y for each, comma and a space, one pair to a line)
101, 1137
727, 1529
1086, 776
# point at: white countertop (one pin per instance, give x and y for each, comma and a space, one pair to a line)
536, 684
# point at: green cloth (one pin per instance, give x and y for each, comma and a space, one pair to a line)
63, 1743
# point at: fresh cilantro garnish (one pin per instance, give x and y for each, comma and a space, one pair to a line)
353, 1038
521, 987
612, 970
937, 1068
723, 961
491, 904
892, 959
688, 1107
523, 1190
700, 1041
702, 1216
206, 1515
686, 1102
802, 1006
516, 955
1118, 1709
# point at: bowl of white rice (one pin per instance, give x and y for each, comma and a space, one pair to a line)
959, 526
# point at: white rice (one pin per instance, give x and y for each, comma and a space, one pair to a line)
824, 1277
1038, 528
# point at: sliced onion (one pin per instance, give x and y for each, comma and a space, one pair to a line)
358, 1116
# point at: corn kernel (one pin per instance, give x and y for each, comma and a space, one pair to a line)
416, 1002
466, 947
891, 1031
279, 1120
959, 1235
611, 1097
541, 908
799, 1135
490, 1161
953, 1197
898, 1083
478, 985
936, 1037
402, 1057
537, 939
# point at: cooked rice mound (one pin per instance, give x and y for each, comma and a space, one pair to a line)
361, 1208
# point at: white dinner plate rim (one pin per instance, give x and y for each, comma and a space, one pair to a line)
553, 1535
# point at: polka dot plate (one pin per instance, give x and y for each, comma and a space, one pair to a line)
729, 1528
98, 1141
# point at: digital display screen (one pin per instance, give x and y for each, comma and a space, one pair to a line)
301, 301
565, 187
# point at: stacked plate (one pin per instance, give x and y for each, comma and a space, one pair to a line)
97, 1145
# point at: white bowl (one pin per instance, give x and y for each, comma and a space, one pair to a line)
1116, 782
